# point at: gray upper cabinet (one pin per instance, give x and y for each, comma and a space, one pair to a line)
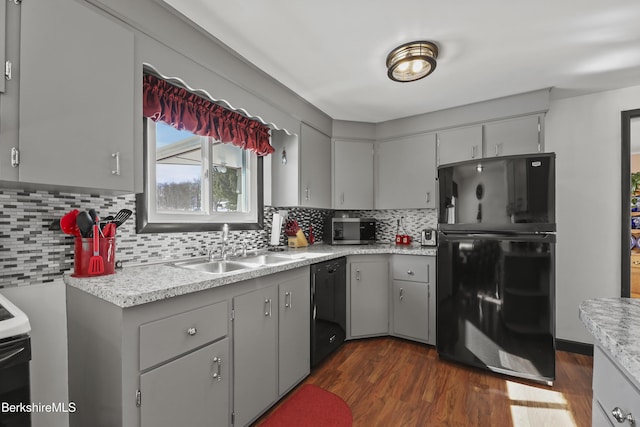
315, 170
3, 45
522, 135
76, 97
406, 173
460, 144
352, 174
304, 178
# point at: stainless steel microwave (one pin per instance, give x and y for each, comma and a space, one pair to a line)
350, 231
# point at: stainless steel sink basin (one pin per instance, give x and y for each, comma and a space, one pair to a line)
264, 259
215, 267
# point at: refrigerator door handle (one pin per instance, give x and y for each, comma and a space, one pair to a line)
532, 237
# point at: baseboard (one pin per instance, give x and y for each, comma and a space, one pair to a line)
574, 347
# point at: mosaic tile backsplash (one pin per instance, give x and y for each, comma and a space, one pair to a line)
31, 253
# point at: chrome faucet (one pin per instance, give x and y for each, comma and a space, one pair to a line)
225, 241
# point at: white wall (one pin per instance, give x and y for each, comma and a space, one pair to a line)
585, 133
45, 306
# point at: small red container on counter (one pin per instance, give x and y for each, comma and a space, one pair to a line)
403, 239
83, 251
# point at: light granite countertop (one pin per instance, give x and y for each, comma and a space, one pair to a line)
132, 286
615, 322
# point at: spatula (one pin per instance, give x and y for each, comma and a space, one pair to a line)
121, 217
96, 264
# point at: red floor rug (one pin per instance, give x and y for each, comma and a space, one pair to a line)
311, 406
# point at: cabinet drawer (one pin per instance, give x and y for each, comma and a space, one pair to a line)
612, 389
170, 337
411, 268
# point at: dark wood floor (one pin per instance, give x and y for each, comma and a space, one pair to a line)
392, 382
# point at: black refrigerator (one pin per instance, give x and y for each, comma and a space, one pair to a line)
496, 265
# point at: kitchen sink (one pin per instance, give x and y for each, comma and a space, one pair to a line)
265, 259
215, 267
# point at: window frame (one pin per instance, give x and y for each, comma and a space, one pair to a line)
147, 221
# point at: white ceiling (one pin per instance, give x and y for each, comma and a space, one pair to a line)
332, 53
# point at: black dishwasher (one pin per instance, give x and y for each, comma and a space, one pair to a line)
328, 308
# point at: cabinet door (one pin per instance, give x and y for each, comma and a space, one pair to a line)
315, 168
190, 391
3, 33
406, 173
457, 145
254, 353
285, 184
353, 175
411, 309
369, 296
514, 136
294, 332
76, 97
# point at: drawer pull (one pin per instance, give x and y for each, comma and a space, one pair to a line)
192, 331
636, 263
621, 417
218, 362
410, 272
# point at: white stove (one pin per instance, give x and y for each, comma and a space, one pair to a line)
13, 322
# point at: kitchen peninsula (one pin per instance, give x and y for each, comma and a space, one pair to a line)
614, 323
141, 341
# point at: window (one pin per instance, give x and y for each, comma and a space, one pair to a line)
195, 183
203, 162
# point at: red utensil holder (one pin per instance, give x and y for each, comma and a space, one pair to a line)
83, 251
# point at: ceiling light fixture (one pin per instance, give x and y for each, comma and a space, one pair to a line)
412, 61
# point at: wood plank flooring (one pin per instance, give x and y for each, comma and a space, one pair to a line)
392, 382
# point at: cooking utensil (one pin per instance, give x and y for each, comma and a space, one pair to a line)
96, 220
68, 223
109, 230
96, 263
84, 223
121, 217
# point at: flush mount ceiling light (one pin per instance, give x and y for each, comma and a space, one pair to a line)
412, 61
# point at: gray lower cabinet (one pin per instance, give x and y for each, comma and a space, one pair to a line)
271, 343
414, 298
294, 345
616, 396
254, 351
192, 390
368, 295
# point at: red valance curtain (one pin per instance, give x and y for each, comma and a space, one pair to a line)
184, 110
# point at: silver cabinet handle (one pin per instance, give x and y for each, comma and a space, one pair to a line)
410, 272
428, 196
192, 331
497, 151
218, 362
401, 294
358, 275
307, 193
287, 299
15, 157
116, 156
621, 417
473, 152
342, 198
267, 307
